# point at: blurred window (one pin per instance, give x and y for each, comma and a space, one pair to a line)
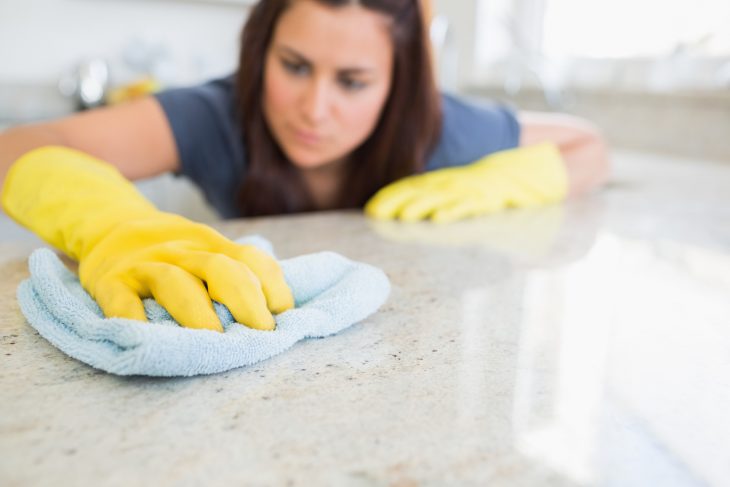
655, 45
631, 28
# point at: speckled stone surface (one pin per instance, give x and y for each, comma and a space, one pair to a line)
582, 345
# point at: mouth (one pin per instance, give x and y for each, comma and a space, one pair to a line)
307, 137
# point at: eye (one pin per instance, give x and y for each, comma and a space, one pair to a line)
351, 84
295, 68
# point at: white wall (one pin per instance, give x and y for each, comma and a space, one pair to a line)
39, 39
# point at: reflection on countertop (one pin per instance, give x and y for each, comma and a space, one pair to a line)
585, 344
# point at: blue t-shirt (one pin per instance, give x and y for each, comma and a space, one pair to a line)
212, 154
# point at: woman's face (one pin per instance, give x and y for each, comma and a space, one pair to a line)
327, 76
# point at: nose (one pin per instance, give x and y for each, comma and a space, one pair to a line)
316, 101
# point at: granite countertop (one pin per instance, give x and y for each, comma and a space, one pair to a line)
586, 344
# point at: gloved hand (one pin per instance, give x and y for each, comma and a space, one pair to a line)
129, 250
516, 178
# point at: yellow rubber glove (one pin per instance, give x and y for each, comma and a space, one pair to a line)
128, 250
517, 178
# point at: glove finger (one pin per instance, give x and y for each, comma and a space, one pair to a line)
454, 213
487, 204
234, 284
458, 212
278, 295
265, 268
182, 294
422, 206
117, 300
387, 202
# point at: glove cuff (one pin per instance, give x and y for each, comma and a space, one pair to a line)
68, 198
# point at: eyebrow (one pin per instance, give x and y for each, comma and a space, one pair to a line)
348, 70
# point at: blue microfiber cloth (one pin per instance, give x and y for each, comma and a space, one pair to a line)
330, 291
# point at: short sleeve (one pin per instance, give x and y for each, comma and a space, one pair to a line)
208, 139
471, 131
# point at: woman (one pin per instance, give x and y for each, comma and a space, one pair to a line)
333, 100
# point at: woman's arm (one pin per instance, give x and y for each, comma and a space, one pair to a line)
135, 137
581, 145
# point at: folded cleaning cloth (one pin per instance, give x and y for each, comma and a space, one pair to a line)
330, 291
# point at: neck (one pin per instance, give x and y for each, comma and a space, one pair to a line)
324, 184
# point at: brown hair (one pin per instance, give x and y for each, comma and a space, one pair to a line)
406, 132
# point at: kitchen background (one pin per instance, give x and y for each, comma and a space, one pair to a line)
654, 75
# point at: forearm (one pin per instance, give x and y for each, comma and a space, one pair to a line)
135, 137
17, 141
581, 145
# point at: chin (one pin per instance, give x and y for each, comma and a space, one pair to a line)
304, 159
303, 162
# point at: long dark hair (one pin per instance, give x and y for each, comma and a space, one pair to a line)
406, 132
